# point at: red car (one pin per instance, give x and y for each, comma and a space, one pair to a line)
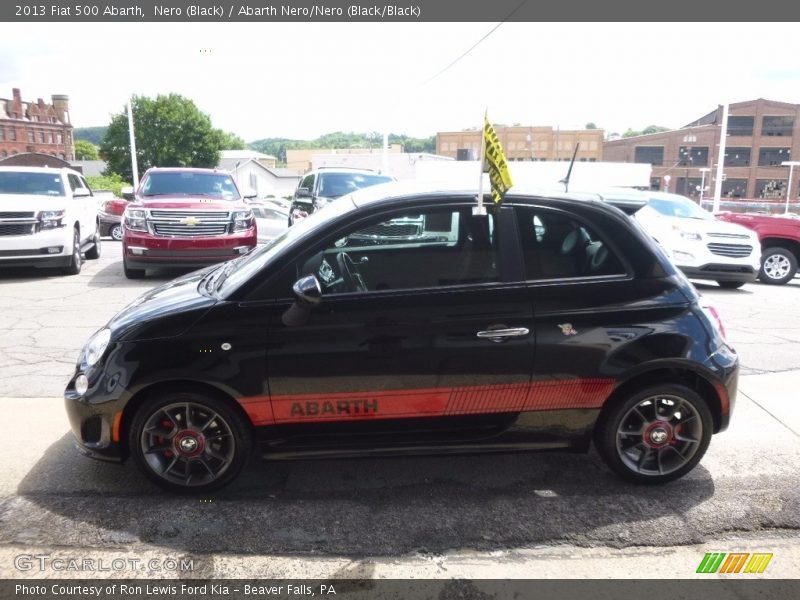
182, 217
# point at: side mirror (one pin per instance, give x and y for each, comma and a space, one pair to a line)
250, 193
308, 292
302, 193
127, 192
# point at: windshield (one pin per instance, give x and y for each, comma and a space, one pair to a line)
682, 208
249, 265
31, 184
189, 183
333, 185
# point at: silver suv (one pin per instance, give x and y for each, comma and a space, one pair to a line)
319, 187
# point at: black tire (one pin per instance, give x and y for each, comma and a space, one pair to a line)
778, 266
203, 452
75, 260
730, 285
132, 273
643, 448
93, 253
116, 232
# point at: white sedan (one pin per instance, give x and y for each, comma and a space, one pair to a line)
271, 221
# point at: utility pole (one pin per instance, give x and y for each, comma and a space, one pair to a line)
723, 134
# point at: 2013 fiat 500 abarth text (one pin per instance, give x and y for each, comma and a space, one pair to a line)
397, 321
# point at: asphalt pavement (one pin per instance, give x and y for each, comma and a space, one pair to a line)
515, 515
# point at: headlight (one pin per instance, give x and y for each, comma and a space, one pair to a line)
51, 219
242, 219
135, 219
96, 346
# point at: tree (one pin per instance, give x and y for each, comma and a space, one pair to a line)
113, 182
85, 150
590, 125
231, 141
170, 132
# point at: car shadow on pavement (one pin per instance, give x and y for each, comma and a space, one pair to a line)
113, 274
361, 507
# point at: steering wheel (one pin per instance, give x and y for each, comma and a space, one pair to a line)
349, 271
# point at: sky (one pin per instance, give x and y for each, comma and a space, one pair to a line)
301, 80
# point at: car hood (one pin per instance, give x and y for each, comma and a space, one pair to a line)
165, 311
651, 219
31, 203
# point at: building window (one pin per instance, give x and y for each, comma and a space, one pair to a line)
59, 139
737, 157
30, 136
773, 157
740, 125
653, 155
693, 189
693, 156
2, 134
770, 188
782, 125
734, 188
655, 183
50, 138
12, 134
41, 137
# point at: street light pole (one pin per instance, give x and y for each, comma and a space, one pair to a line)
791, 164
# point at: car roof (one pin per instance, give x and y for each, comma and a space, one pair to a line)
40, 170
186, 170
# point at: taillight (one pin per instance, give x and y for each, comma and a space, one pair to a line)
715, 319
115, 207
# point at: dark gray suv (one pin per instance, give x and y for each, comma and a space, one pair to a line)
319, 187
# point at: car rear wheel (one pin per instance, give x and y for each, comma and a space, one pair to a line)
656, 434
132, 273
730, 285
188, 441
116, 232
75, 260
778, 266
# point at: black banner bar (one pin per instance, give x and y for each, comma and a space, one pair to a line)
741, 587
395, 11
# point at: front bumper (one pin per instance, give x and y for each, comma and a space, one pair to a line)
142, 250
721, 272
48, 248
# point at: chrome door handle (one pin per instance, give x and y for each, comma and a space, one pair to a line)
500, 335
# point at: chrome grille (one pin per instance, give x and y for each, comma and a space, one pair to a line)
731, 250
185, 223
16, 229
200, 230
730, 236
16, 215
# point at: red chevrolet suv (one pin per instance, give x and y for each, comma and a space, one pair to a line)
182, 217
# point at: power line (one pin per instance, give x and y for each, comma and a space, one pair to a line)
476, 44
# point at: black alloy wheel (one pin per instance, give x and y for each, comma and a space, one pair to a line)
655, 435
189, 441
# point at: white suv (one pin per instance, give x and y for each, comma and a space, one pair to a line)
699, 244
48, 218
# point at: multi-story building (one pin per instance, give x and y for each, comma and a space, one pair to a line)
762, 134
525, 143
36, 127
302, 159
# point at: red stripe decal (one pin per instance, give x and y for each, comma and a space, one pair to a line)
431, 402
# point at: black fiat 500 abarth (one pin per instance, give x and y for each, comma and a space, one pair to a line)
398, 321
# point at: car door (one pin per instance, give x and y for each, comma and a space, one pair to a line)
83, 206
434, 346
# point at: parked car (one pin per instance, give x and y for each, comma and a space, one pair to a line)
779, 237
702, 246
109, 216
548, 323
322, 186
184, 217
270, 220
48, 218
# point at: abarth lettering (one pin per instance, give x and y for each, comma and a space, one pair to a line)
339, 407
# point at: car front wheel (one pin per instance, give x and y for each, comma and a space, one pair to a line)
656, 434
778, 266
187, 441
75, 259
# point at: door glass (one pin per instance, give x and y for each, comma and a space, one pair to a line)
410, 250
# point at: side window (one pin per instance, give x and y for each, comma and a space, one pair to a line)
307, 182
83, 184
557, 246
410, 250
74, 182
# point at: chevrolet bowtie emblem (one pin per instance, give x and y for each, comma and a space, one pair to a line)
190, 221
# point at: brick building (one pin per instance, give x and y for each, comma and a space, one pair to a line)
525, 143
761, 135
36, 127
